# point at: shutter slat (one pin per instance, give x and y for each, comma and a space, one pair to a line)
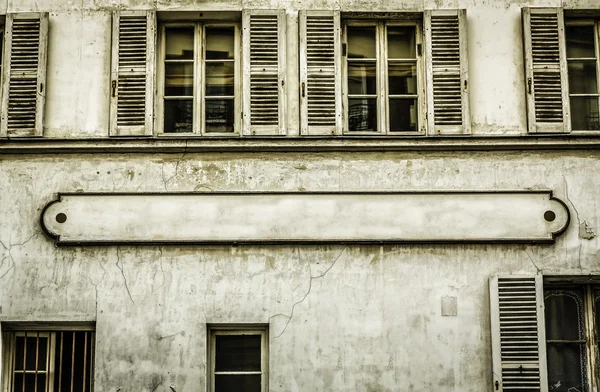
448, 111
25, 71
545, 57
133, 60
518, 340
320, 73
264, 59
264, 91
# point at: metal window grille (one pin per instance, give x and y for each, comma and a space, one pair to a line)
43, 361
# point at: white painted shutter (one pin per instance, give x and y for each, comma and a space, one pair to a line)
545, 70
518, 334
264, 72
132, 78
24, 88
447, 72
320, 76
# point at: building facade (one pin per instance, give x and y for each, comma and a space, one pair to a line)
322, 195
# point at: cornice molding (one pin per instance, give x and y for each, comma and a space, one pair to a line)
304, 144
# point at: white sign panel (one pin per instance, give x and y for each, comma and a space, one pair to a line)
509, 216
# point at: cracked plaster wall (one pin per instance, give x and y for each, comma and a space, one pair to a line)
364, 318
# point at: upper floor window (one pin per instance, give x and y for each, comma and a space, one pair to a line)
384, 78
199, 78
561, 58
582, 65
219, 76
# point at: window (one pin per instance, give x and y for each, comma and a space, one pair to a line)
198, 87
383, 75
48, 360
571, 329
545, 332
582, 63
562, 63
238, 359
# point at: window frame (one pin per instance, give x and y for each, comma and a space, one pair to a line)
10, 331
590, 327
582, 22
382, 82
216, 330
199, 84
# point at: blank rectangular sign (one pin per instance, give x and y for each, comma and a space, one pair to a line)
509, 216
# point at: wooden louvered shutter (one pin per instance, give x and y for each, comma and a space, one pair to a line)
447, 72
24, 89
545, 70
264, 72
132, 83
518, 334
320, 76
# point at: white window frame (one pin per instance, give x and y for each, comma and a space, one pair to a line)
10, 332
216, 330
198, 116
583, 22
382, 87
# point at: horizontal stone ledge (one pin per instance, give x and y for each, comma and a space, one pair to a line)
295, 144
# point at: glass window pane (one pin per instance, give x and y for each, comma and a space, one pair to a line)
179, 43
402, 78
401, 42
567, 367
245, 383
362, 78
238, 353
362, 115
361, 42
219, 115
219, 78
584, 113
582, 77
178, 116
564, 314
179, 79
580, 41
219, 43
403, 114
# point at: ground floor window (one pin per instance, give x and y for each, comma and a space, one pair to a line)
572, 325
48, 360
238, 359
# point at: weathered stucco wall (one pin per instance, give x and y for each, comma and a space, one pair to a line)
341, 318
364, 318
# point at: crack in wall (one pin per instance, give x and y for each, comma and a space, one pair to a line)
291, 315
177, 163
10, 256
539, 270
164, 279
123, 273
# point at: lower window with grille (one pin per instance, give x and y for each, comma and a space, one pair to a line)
48, 359
238, 358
